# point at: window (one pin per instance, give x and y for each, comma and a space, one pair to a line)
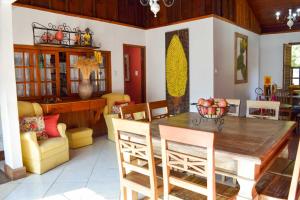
295, 64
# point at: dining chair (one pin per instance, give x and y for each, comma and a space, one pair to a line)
285, 110
135, 112
201, 183
274, 185
158, 109
141, 178
263, 109
234, 103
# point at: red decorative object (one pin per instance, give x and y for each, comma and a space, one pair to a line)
51, 125
212, 108
59, 36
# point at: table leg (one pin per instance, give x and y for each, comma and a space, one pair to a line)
246, 179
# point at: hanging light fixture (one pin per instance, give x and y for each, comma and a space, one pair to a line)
291, 18
154, 5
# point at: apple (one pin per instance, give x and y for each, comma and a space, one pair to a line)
208, 103
201, 101
203, 110
222, 111
222, 103
212, 110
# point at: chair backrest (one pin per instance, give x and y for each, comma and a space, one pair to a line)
263, 109
235, 109
158, 109
204, 167
283, 96
295, 177
111, 98
125, 132
135, 112
28, 109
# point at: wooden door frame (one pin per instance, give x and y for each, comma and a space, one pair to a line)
143, 68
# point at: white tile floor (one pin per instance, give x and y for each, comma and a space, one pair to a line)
91, 174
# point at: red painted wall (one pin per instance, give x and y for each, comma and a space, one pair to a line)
134, 87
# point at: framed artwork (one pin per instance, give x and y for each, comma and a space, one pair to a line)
177, 71
240, 58
126, 68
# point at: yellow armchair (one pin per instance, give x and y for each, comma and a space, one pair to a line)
39, 157
110, 101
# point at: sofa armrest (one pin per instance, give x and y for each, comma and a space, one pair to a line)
30, 145
61, 127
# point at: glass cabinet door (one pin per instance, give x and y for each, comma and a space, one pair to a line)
99, 78
48, 73
25, 72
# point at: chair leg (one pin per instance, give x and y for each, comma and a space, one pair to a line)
123, 193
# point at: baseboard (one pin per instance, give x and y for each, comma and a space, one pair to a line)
14, 174
2, 155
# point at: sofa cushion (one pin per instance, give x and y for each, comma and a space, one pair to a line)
52, 144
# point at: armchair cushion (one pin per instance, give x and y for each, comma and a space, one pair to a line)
112, 98
34, 124
51, 125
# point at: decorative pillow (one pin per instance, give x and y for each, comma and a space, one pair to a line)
35, 124
51, 125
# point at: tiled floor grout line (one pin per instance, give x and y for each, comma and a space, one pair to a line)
54, 181
98, 157
18, 184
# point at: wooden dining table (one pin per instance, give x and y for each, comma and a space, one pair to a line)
244, 147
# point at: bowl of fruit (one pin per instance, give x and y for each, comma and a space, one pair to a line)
212, 108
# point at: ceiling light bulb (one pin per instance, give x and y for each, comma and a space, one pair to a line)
298, 12
277, 15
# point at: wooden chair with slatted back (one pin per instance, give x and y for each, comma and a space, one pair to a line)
201, 184
279, 185
158, 109
141, 179
135, 112
263, 109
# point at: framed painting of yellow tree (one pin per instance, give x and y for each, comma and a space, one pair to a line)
241, 58
177, 71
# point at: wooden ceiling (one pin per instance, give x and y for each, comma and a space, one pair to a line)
255, 15
265, 11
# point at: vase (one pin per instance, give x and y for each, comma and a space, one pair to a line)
85, 89
59, 36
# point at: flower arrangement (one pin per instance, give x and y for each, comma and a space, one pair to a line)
89, 65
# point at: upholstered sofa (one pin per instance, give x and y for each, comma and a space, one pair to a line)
39, 157
110, 100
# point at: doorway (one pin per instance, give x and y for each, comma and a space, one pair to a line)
134, 57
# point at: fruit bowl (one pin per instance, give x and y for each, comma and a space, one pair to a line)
212, 112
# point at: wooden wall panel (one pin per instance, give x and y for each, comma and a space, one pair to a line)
245, 16
76, 6
88, 8
133, 13
59, 4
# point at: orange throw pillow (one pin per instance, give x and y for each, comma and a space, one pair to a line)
51, 125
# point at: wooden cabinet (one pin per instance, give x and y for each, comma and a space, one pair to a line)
49, 72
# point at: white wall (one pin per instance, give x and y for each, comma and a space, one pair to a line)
8, 98
271, 55
224, 85
200, 59
111, 36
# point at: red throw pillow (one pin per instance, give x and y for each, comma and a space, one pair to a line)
51, 125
